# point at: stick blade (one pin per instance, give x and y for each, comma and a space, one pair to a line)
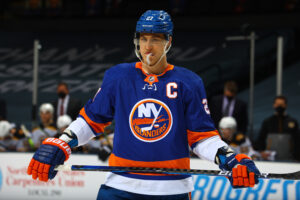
63, 168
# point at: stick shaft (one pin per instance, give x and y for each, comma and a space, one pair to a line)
292, 176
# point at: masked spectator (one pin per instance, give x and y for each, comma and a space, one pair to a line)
65, 104
229, 105
280, 124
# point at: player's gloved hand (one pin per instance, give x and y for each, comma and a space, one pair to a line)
244, 171
52, 152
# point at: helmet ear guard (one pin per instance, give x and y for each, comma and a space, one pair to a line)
137, 45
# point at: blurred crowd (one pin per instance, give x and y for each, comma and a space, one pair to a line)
54, 118
278, 138
80, 8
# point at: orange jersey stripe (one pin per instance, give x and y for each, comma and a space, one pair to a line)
98, 127
197, 136
182, 163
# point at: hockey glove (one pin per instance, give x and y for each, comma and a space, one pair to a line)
244, 172
52, 152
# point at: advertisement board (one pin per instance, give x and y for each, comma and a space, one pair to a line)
15, 184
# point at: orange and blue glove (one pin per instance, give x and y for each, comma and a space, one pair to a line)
52, 152
244, 172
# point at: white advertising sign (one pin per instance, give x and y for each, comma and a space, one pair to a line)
15, 184
219, 188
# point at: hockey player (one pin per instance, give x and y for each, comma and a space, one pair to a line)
159, 110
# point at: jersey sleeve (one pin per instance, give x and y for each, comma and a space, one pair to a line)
197, 115
96, 114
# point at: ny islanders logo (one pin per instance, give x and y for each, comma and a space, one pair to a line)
150, 120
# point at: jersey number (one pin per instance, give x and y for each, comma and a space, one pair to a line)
171, 94
205, 105
149, 18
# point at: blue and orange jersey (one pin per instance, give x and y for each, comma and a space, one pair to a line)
157, 116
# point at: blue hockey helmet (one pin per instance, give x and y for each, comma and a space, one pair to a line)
155, 21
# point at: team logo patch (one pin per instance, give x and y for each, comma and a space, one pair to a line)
150, 120
151, 79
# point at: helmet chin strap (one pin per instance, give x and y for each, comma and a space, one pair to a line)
148, 58
138, 54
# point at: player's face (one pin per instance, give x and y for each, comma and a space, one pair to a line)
152, 46
46, 117
228, 93
279, 103
227, 133
62, 89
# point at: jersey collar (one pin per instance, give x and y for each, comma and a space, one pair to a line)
152, 78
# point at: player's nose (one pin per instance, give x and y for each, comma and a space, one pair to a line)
148, 45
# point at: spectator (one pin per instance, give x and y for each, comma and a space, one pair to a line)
46, 127
279, 124
34, 7
94, 7
229, 105
65, 105
54, 7
238, 141
9, 141
112, 7
2, 109
102, 145
4, 132
62, 123
25, 143
16, 131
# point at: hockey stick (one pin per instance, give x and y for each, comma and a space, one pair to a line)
292, 176
150, 127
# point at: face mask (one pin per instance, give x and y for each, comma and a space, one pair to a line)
229, 98
61, 95
280, 110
